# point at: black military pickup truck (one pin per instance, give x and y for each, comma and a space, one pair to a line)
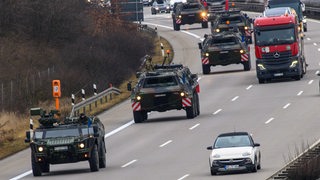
229, 20
223, 49
76, 139
166, 88
189, 13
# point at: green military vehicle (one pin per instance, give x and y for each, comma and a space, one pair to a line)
189, 13
166, 88
228, 20
223, 49
76, 139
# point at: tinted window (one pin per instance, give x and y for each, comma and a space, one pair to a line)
160, 82
276, 36
223, 41
61, 133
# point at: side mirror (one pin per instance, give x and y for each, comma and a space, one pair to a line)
200, 45
256, 144
27, 139
209, 148
129, 86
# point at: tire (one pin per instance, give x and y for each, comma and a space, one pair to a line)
204, 24
213, 172
198, 105
36, 167
102, 156
205, 69
145, 115
305, 29
45, 167
94, 159
255, 166
137, 116
191, 111
247, 65
261, 81
298, 77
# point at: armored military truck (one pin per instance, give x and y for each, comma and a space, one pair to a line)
166, 88
223, 49
76, 139
229, 20
189, 12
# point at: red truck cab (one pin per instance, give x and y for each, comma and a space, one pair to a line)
279, 48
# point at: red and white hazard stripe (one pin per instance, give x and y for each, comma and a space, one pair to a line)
205, 60
186, 102
248, 33
136, 106
205, 19
178, 21
244, 57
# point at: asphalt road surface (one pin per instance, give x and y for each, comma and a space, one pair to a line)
281, 115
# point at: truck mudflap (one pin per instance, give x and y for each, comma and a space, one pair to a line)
136, 106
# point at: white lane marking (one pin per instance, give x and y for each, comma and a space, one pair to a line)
315, 44
22, 175
194, 126
118, 129
308, 39
271, 119
299, 93
235, 98
249, 87
166, 143
317, 72
319, 49
183, 177
286, 106
129, 163
191, 34
217, 111
310, 82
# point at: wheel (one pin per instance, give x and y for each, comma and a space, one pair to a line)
304, 66
198, 105
247, 65
137, 116
255, 166
261, 81
36, 168
305, 29
102, 156
176, 26
213, 172
298, 77
145, 115
191, 111
204, 24
205, 69
94, 159
45, 167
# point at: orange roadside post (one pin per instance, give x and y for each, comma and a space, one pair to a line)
56, 92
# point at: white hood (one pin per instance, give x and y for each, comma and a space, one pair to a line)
231, 153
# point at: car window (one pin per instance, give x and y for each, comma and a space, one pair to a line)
223, 41
160, 82
232, 141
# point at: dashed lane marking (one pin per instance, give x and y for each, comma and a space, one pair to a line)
269, 120
217, 111
235, 98
183, 177
310, 82
299, 93
129, 163
315, 44
286, 106
194, 126
166, 143
249, 87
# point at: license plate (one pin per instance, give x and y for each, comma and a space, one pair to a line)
278, 74
190, 15
160, 95
61, 148
231, 166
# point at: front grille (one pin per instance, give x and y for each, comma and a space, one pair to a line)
161, 100
282, 58
224, 162
60, 141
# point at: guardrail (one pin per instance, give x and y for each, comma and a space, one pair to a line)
311, 12
93, 99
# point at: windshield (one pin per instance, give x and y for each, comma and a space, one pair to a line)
295, 6
221, 1
86, 131
223, 41
160, 82
191, 7
61, 133
232, 141
275, 37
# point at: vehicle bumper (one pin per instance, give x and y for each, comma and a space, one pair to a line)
228, 165
223, 59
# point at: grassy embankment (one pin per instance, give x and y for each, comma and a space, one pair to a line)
13, 126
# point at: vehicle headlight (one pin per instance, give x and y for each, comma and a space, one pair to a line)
207, 54
216, 156
246, 28
246, 154
261, 66
138, 98
157, 8
217, 30
81, 145
304, 20
294, 64
168, 7
182, 94
203, 14
40, 149
242, 51
179, 16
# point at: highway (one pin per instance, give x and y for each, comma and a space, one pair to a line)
281, 115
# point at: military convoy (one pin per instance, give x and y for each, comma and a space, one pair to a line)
168, 87
55, 142
189, 13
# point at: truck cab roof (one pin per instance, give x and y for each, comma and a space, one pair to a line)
276, 20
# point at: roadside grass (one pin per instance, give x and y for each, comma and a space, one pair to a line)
13, 126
